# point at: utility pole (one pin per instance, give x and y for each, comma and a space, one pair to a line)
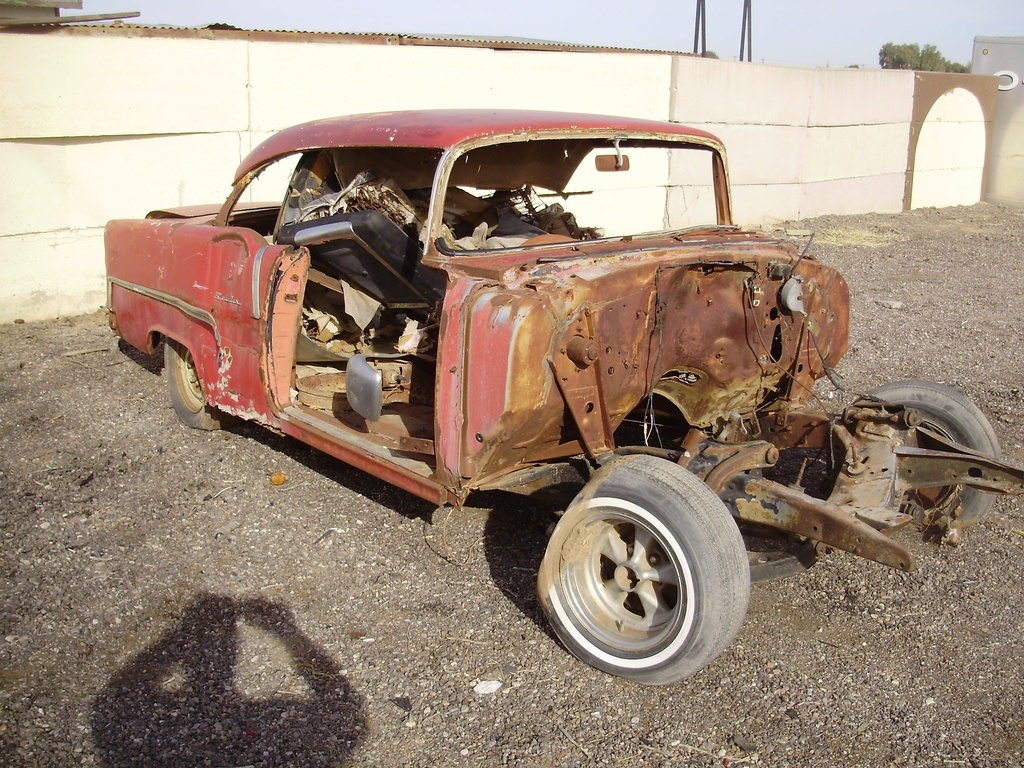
745, 31
700, 29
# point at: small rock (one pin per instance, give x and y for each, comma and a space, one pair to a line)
891, 304
744, 743
403, 703
487, 687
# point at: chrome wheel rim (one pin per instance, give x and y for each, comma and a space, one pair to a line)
628, 590
191, 387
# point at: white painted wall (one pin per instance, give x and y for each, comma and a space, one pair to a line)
802, 142
292, 83
950, 160
108, 124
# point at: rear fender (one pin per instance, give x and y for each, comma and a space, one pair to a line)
209, 288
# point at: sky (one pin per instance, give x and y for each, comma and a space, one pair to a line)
803, 33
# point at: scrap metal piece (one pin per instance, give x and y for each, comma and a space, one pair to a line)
756, 500
364, 386
923, 468
580, 383
716, 463
880, 413
781, 564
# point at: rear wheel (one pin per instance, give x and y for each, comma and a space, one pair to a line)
949, 413
646, 575
186, 389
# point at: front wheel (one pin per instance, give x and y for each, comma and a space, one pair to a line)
949, 413
186, 389
646, 575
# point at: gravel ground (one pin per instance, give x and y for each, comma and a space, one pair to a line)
165, 604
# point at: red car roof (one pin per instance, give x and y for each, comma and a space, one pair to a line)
440, 129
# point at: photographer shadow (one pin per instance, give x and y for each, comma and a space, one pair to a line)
179, 702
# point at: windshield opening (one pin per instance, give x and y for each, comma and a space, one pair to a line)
546, 191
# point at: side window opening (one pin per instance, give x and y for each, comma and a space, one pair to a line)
259, 206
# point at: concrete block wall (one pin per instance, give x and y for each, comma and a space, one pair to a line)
98, 128
801, 142
101, 123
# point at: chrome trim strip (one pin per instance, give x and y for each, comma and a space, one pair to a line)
194, 312
256, 270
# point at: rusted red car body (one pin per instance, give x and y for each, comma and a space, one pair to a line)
513, 348
507, 408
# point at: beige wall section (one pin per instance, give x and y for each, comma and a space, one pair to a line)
57, 194
950, 134
94, 128
52, 274
68, 86
347, 79
107, 126
67, 184
107, 123
801, 142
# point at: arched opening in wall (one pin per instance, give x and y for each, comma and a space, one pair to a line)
950, 158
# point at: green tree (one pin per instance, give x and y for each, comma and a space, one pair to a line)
893, 56
913, 56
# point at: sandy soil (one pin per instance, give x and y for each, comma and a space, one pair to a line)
165, 604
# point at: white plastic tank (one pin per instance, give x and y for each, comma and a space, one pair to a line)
1004, 57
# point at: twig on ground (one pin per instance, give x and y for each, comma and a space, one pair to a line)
89, 351
575, 743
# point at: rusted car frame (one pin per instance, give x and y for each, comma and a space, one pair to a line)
423, 306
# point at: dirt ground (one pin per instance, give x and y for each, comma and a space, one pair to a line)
165, 604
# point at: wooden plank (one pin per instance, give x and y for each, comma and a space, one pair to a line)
76, 4
68, 19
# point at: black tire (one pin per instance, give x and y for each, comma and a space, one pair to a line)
645, 575
187, 394
948, 412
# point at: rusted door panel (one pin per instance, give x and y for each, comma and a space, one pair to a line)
286, 285
245, 268
452, 365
